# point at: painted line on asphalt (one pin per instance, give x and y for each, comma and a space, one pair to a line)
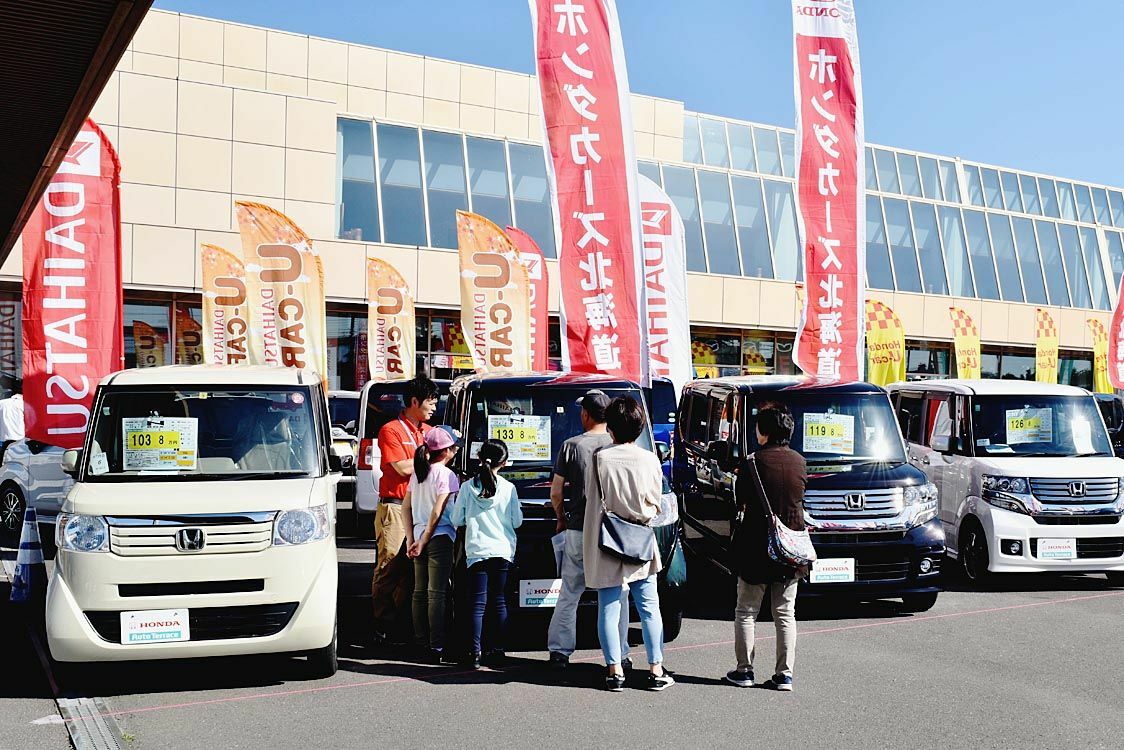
461, 673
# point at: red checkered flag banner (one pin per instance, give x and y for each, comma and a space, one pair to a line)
1045, 347
966, 342
885, 344
1102, 383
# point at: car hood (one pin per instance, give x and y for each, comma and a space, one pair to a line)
1062, 468
863, 476
180, 497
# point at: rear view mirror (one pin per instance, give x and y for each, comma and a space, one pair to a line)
70, 462
941, 443
663, 450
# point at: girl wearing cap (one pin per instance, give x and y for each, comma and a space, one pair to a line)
430, 535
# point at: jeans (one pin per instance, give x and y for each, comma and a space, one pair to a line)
563, 633
783, 597
391, 584
645, 595
487, 583
431, 586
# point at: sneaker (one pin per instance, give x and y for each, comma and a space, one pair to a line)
740, 678
626, 663
614, 683
781, 682
435, 655
558, 661
659, 682
474, 660
447, 659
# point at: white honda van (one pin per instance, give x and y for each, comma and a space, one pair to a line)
201, 520
1025, 473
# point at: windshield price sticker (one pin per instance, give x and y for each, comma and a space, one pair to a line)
829, 433
1029, 426
160, 443
527, 437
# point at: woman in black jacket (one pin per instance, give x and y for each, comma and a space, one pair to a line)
784, 477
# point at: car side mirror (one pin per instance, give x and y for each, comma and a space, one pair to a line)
941, 443
663, 450
335, 462
71, 460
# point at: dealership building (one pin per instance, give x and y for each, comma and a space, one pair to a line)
371, 152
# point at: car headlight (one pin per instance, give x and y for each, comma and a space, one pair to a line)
302, 526
79, 533
1012, 485
1008, 493
1119, 506
923, 500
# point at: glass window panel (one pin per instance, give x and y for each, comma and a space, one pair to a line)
359, 206
955, 252
1084, 203
692, 145
749, 209
400, 179
1030, 194
1049, 197
787, 259
1090, 251
975, 185
929, 247
718, 223
1052, 263
949, 182
788, 153
444, 185
768, 151
887, 171
679, 184
930, 178
147, 339
901, 246
714, 142
1074, 265
487, 179
1116, 201
1076, 370
927, 359
1100, 202
871, 172
878, 273
649, 169
911, 177
1115, 256
979, 247
534, 211
1065, 200
1016, 367
992, 192
1003, 245
1029, 262
741, 147
1011, 191
989, 365
346, 370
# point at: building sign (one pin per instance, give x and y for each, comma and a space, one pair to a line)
592, 173
391, 337
830, 182
531, 256
1045, 347
226, 312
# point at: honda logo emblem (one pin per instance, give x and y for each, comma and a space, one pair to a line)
855, 501
190, 540
1077, 489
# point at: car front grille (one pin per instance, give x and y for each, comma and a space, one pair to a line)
137, 536
872, 537
1060, 491
881, 571
191, 588
1076, 520
212, 623
842, 505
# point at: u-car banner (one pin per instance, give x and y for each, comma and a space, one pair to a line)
966, 343
73, 332
587, 115
830, 170
1102, 383
533, 259
391, 338
1045, 347
189, 338
149, 345
885, 344
285, 283
226, 312
495, 297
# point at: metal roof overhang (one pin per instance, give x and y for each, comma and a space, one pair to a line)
55, 58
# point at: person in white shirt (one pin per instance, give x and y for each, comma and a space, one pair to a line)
11, 418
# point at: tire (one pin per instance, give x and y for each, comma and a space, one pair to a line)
324, 662
974, 555
672, 614
12, 508
919, 602
1115, 578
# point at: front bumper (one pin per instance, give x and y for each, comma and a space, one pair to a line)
86, 589
1100, 546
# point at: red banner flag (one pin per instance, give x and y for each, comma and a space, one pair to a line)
592, 173
73, 334
830, 182
533, 260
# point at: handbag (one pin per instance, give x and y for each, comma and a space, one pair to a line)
786, 546
625, 540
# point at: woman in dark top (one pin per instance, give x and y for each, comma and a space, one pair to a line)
784, 476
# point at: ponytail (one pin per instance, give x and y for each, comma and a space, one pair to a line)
492, 455
421, 463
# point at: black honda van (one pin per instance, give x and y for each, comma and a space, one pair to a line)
534, 415
871, 514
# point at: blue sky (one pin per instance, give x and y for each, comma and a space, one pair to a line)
1033, 84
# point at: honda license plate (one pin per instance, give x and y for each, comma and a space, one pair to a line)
1057, 549
155, 626
833, 570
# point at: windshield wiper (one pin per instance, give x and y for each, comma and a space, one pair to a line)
279, 474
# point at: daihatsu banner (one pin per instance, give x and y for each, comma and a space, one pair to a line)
591, 169
495, 297
285, 284
226, 311
531, 256
830, 172
391, 339
72, 325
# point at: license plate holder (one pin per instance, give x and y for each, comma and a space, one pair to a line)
539, 592
1057, 549
833, 570
155, 626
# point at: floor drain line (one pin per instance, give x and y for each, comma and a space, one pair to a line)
89, 725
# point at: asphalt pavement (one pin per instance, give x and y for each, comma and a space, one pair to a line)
1034, 663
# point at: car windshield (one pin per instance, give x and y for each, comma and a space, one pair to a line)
1038, 426
343, 409
534, 421
188, 433
384, 403
839, 427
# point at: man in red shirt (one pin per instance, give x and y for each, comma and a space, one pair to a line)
392, 584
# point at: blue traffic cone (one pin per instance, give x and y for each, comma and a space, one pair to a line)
30, 580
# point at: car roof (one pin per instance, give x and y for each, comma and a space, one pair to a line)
776, 383
991, 387
343, 394
212, 375
544, 379
396, 386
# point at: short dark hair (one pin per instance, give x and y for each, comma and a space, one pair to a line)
625, 418
420, 388
775, 422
